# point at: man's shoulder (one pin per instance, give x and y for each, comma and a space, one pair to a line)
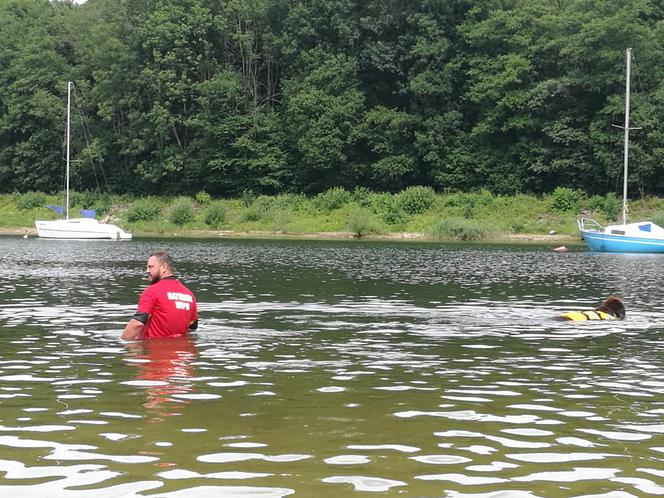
158, 287
174, 284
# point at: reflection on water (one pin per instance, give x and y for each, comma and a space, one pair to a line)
164, 369
331, 369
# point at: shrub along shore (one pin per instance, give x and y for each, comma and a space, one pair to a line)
414, 213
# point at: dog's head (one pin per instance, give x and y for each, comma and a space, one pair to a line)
614, 306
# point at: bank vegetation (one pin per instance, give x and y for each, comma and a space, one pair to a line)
415, 212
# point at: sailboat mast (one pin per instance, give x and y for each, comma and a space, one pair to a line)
628, 57
67, 146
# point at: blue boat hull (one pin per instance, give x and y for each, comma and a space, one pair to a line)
603, 242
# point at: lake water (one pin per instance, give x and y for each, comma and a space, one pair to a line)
324, 369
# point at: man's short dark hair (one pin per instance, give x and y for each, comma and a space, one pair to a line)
164, 258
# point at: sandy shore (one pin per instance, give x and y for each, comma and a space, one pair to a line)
29, 231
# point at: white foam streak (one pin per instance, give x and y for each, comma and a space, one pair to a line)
69, 455
578, 474
243, 457
347, 460
557, 457
617, 436
178, 474
461, 479
228, 492
395, 447
364, 483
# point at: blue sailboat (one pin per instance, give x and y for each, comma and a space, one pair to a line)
644, 236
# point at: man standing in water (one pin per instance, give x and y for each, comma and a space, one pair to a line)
166, 308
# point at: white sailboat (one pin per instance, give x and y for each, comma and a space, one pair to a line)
644, 236
77, 228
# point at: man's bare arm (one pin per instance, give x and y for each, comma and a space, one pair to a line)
132, 330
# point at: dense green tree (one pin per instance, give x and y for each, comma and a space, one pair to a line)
33, 68
275, 96
175, 59
235, 149
106, 73
386, 137
321, 109
544, 86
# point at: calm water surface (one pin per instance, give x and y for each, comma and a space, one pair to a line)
331, 369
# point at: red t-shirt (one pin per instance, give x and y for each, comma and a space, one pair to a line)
171, 308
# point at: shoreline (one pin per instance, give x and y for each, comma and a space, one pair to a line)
404, 236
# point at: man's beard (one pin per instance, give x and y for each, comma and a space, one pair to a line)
154, 279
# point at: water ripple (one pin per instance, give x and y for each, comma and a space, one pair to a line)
394, 360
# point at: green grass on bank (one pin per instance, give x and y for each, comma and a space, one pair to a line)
451, 216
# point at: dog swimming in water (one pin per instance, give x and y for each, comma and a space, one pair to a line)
611, 309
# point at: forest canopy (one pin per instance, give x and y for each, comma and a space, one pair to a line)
279, 96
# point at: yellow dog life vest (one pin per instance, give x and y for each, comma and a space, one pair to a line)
587, 315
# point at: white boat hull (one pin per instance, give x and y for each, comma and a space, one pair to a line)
80, 228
